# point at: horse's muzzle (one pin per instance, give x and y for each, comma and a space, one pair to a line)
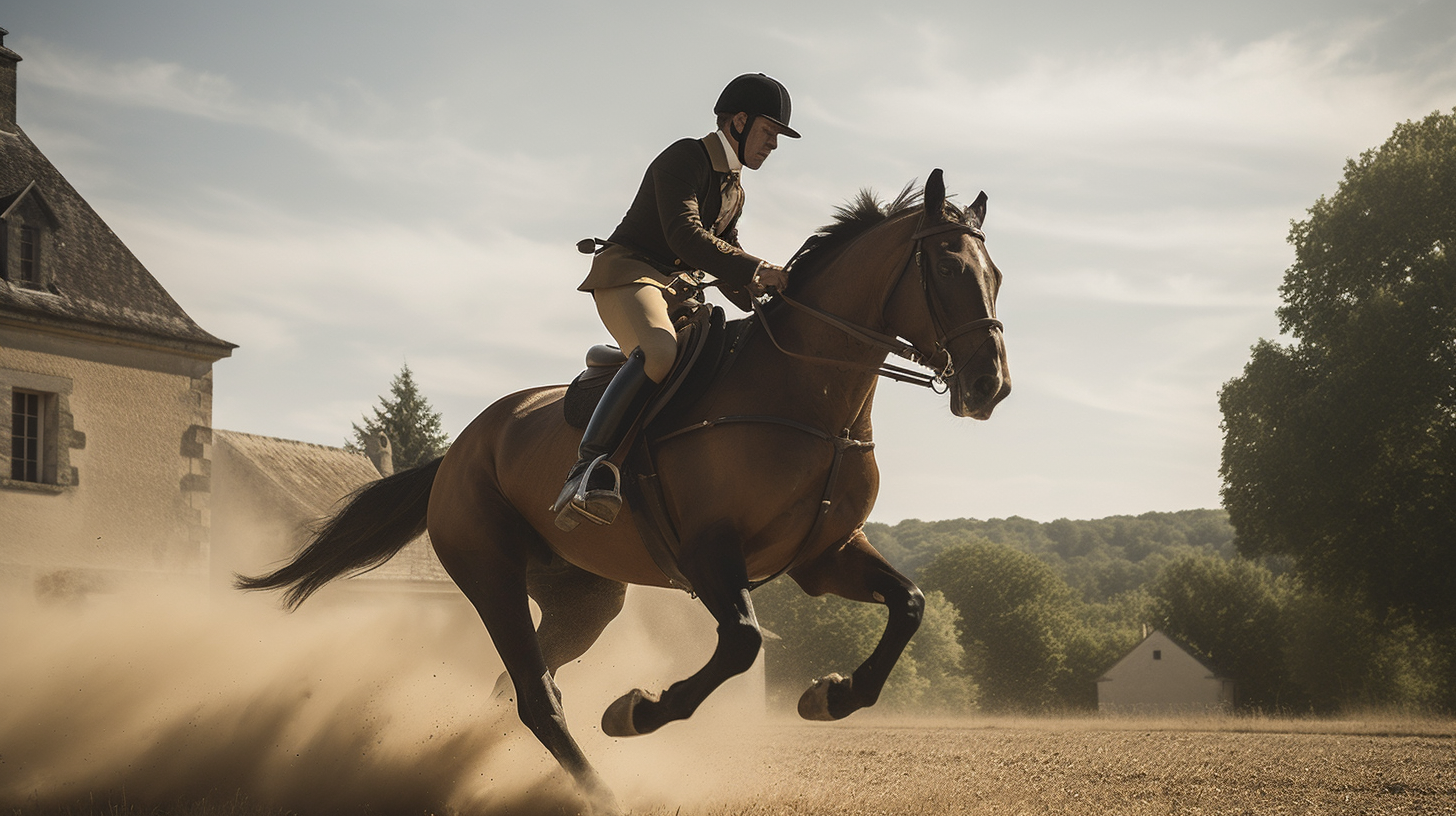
976, 397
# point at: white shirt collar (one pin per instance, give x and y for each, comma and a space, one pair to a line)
734, 165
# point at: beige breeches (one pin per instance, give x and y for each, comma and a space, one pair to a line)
636, 315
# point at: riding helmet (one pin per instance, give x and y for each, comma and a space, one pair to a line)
757, 95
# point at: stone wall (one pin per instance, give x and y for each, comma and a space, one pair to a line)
130, 489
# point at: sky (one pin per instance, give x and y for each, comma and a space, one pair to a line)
344, 188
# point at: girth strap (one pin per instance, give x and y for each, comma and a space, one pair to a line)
656, 525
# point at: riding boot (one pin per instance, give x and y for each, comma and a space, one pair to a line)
593, 488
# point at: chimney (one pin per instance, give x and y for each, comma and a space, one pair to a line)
379, 451
8, 59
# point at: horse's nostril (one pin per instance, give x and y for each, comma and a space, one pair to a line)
986, 387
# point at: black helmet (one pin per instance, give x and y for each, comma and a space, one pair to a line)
757, 95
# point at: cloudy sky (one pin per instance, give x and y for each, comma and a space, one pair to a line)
341, 188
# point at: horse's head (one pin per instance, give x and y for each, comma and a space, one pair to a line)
957, 314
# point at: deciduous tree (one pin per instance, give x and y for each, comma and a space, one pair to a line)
1340, 447
1230, 611
1015, 615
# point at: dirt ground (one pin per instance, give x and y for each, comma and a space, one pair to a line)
1092, 766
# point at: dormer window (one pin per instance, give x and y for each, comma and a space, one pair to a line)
27, 234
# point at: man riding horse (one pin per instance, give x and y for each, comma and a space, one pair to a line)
683, 223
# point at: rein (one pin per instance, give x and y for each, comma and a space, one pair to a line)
886, 342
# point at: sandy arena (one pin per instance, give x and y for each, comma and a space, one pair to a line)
225, 707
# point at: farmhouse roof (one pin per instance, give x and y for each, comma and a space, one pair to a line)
1175, 642
312, 480
96, 285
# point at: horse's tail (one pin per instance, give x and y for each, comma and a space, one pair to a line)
379, 519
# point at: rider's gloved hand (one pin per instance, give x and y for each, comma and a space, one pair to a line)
768, 276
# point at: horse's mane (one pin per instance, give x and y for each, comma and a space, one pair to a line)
851, 220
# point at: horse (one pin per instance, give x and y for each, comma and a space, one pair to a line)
769, 471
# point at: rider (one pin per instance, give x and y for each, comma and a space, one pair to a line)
684, 221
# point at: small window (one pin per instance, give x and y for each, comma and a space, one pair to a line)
27, 437
29, 256
1157, 654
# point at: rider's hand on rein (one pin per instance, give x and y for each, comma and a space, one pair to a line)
768, 276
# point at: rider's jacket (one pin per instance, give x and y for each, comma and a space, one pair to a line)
663, 232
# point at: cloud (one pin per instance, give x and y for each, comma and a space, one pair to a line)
357, 132
1288, 91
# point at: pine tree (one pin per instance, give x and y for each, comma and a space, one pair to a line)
406, 417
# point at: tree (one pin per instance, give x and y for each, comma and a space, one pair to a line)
1340, 447
1231, 613
1015, 615
816, 636
413, 427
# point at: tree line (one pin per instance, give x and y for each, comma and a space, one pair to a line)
1023, 616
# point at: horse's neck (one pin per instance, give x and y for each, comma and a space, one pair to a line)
856, 283
853, 286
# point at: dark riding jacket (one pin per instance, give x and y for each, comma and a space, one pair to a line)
663, 231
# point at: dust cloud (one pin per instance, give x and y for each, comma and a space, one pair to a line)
357, 702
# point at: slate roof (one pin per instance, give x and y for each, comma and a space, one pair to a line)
99, 287
310, 480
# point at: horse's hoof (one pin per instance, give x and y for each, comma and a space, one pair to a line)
814, 705
600, 801
617, 719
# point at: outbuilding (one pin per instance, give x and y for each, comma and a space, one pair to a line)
1161, 676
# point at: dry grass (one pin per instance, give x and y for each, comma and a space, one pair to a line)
1099, 766
1086, 765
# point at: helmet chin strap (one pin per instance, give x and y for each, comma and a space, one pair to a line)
740, 136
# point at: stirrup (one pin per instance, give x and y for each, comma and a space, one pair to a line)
597, 505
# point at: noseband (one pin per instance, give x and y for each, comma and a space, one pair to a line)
889, 343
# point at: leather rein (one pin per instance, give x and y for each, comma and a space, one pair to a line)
887, 342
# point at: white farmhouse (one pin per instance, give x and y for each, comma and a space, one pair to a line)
1159, 676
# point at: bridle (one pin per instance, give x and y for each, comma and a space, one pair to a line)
886, 342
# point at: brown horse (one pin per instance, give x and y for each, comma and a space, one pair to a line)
770, 471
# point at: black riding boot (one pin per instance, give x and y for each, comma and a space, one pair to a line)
593, 488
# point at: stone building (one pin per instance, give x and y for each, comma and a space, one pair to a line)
105, 467
1160, 676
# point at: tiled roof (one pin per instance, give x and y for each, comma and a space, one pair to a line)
99, 287
313, 479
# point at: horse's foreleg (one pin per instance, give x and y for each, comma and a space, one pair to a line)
857, 572
721, 581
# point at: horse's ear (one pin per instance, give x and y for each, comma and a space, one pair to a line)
977, 210
935, 196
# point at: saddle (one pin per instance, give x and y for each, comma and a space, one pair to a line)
702, 346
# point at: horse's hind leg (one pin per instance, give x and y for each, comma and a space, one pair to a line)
576, 607
855, 571
484, 550
721, 581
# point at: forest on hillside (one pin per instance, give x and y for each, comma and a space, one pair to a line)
1099, 558
1024, 616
